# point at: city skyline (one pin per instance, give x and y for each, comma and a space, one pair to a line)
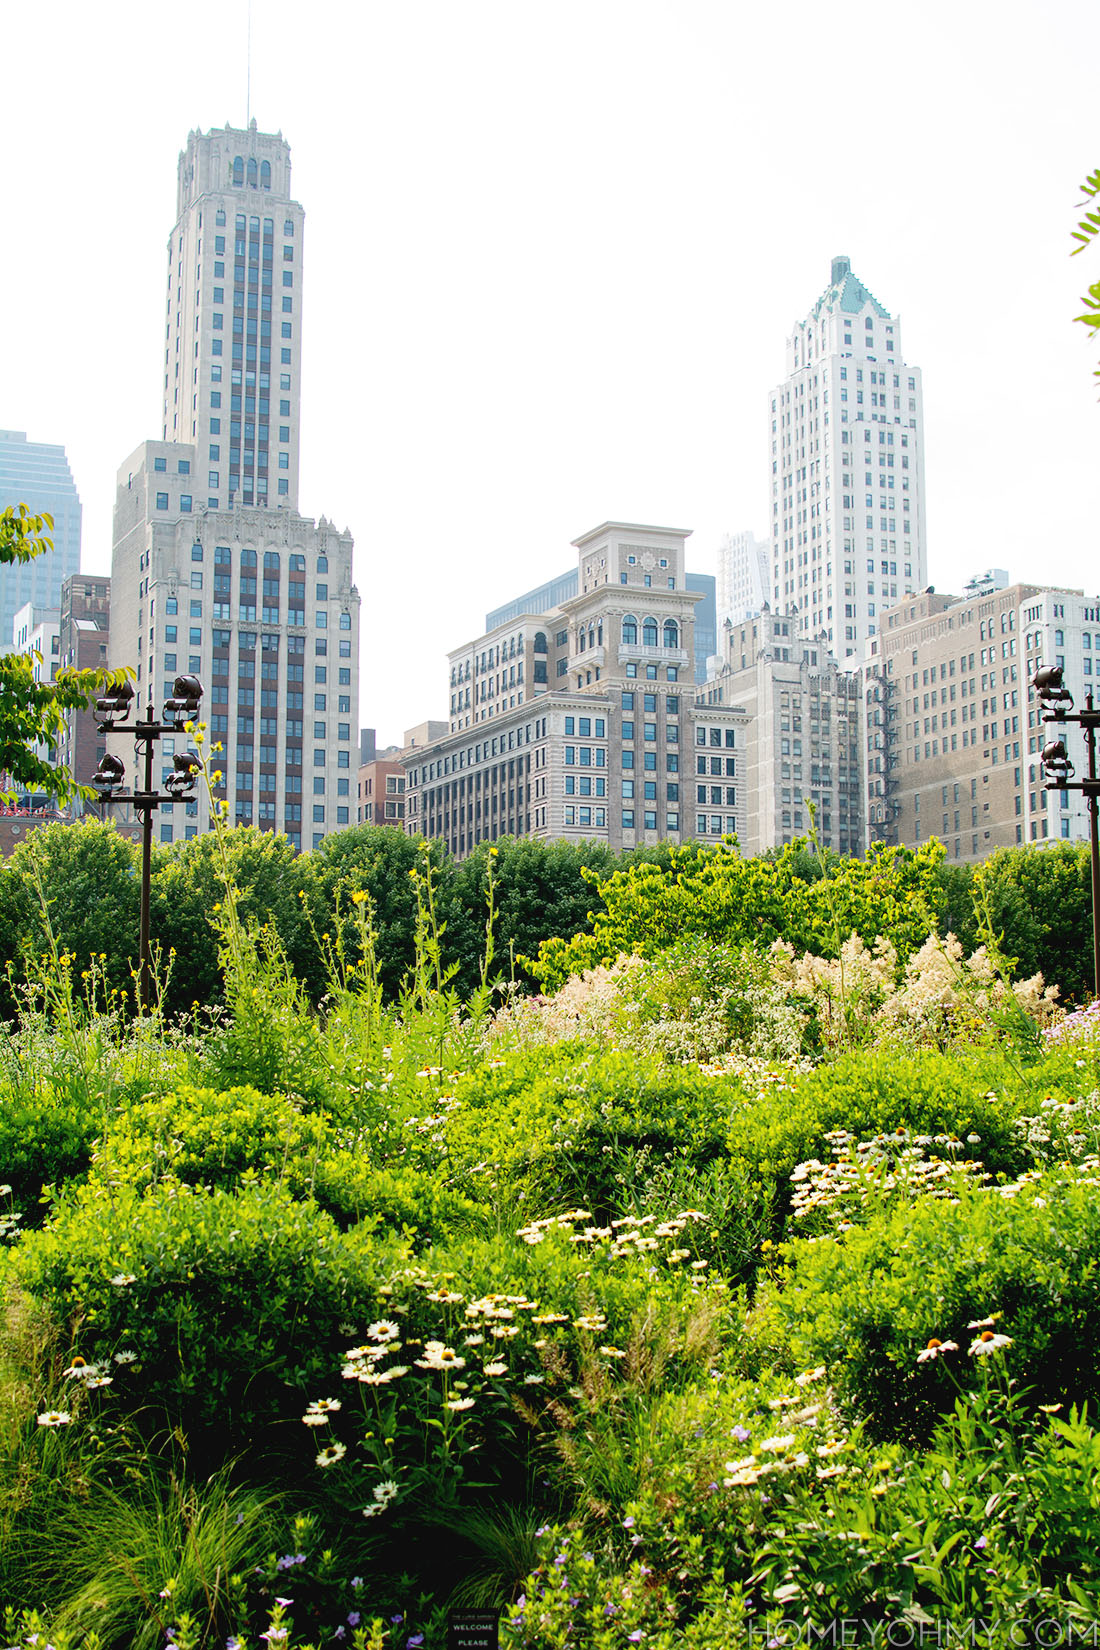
535, 301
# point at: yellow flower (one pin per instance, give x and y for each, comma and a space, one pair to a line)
356, 899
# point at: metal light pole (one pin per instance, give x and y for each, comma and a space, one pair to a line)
1059, 770
112, 710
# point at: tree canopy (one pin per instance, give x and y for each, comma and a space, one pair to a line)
32, 714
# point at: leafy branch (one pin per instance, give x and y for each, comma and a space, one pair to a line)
1086, 233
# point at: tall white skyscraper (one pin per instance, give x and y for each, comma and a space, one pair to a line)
214, 572
744, 577
847, 469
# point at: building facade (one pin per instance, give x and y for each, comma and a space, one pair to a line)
744, 577
579, 721
38, 475
214, 571
847, 469
381, 789
802, 741
954, 730
84, 644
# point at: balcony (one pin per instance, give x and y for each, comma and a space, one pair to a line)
659, 655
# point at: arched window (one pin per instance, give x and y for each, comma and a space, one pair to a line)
238, 172
671, 633
599, 633
540, 642
630, 630
248, 558
581, 639
265, 175
297, 564
271, 559
253, 172
649, 632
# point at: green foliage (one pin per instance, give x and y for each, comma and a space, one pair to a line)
208, 1137
1085, 235
726, 898
872, 1092
32, 714
415, 1204
541, 889
276, 888
1039, 903
867, 1303
382, 861
227, 1299
87, 875
129, 1563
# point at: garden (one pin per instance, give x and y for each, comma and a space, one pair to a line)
685, 1250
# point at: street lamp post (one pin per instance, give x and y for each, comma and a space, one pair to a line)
111, 711
1059, 771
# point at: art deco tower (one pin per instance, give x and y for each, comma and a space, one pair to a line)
214, 571
847, 469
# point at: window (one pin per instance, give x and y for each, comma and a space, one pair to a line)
162, 501
630, 625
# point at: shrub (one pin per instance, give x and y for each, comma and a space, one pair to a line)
226, 1299
210, 1137
866, 1304
414, 1203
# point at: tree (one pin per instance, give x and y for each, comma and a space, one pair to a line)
33, 713
540, 889
276, 886
88, 875
1087, 231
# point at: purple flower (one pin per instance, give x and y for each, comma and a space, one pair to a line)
354, 1618
628, 1523
394, 1620
339, 1632
742, 1434
285, 1602
412, 1642
544, 1530
981, 1544
560, 1560
232, 1644
636, 1636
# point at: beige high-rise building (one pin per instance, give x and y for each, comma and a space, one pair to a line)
214, 572
803, 734
954, 731
579, 721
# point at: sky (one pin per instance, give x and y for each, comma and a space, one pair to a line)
553, 254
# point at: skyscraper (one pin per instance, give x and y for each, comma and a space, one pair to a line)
214, 572
847, 469
744, 577
37, 475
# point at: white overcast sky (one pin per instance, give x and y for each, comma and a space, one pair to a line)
553, 253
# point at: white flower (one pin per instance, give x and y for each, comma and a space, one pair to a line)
935, 1348
55, 1418
313, 1419
778, 1444
438, 1356
125, 1356
988, 1342
121, 1279
384, 1493
331, 1454
383, 1330
459, 1403
496, 1369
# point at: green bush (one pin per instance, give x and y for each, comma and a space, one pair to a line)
210, 1137
227, 1300
867, 1303
577, 1126
874, 1092
45, 1140
409, 1200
